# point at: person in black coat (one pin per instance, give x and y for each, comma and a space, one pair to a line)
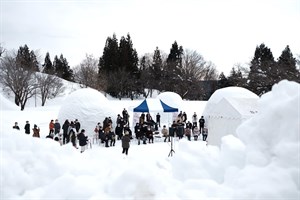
27, 127
82, 140
65, 128
16, 126
149, 135
112, 138
137, 131
158, 119
77, 125
201, 122
119, 131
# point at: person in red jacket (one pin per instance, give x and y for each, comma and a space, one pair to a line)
51, 128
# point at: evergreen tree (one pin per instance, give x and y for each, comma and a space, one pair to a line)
62, 68
175, 56
48, 66
287, 66
109, 61
236, 78
156, 69
172, 72
263, 71
128, 55
223, 81
27, 59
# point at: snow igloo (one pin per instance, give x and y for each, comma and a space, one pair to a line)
226, 109
87, 105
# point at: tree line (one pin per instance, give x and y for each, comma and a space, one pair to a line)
120, 73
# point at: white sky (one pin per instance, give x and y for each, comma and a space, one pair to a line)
224, 32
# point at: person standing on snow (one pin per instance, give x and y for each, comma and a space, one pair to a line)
126, 142
51, 128
56, 127
82, 140
201, 124
77, 125
65, 128
194, 119
27, 128
158, 119
36, 131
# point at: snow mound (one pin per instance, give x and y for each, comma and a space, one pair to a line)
171, 98
87, 105
6, 104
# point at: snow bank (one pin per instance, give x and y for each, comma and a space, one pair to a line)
262, 164
6, 104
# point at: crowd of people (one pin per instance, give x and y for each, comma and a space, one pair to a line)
145, 130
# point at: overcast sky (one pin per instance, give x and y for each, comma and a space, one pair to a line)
225, 32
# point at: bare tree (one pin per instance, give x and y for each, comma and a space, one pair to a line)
20, 81
86, 72
48, 86
194, 69
2, 50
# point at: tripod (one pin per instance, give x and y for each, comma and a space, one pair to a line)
172, 150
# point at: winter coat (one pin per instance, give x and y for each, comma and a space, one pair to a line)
51, 126
82, 139
65, 128
201, 122
27, 128
126, 141
196, 131
36, 132
77, 126
187, 132
57, 127
165, 132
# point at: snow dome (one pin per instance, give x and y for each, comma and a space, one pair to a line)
171, 98
226, 109
87, 105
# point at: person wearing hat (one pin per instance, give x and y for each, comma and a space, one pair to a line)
126, 142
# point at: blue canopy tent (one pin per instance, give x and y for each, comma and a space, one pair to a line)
154, 105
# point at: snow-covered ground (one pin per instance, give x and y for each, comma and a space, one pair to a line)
262, 163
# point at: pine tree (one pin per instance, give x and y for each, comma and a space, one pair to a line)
287, 66
172, 72
223, 81
27, 59
109, 61
48, 66
128, 55
62, 68
263, 69
157, 65
175, 56
236, 78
